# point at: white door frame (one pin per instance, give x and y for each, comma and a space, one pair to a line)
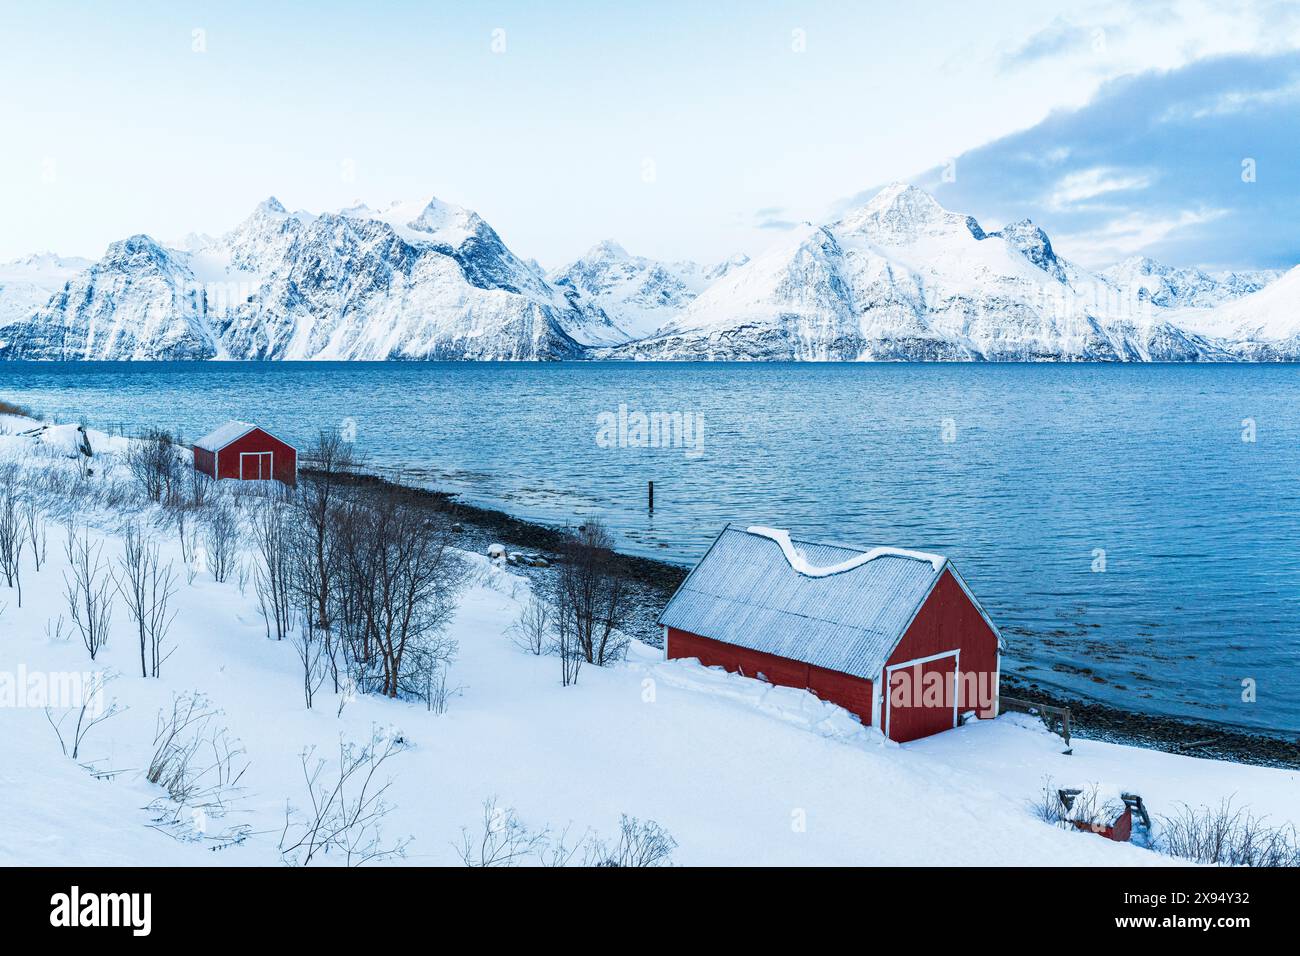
956, 680
258, 455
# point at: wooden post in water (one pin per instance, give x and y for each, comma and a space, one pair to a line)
651, 491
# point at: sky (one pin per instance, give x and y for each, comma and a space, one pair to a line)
682, 130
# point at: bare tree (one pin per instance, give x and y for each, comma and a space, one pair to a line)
532, 630
590, 591
274, 576
221, 539
34, 521
564, 643
346, 807
331, 460
147, 589
403, 574
13, 536
89, 590
309, 642
155, 463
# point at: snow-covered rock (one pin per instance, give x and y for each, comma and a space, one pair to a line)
1261, 327
1173, 288
637, 293
422, 280
138, 302
902, 278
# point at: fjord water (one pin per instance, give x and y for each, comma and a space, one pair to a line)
1133, 529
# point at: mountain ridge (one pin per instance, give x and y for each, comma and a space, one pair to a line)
899, 278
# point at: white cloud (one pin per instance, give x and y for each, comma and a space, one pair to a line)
1129, 235
1088, 184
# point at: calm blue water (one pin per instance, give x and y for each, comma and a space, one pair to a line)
1050, 465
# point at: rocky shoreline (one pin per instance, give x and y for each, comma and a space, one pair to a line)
654, 582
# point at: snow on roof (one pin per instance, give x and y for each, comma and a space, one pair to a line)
223, 435
838, 607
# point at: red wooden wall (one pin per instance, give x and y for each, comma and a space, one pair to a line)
947, 621
851, 693
284, 457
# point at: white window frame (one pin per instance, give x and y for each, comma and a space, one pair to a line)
258, 455
956, 681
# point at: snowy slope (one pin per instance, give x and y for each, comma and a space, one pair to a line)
900, 278
26, 284
737, 771
138, 302
1173, 288
1261, 327
904, 278
638, 294
416, 280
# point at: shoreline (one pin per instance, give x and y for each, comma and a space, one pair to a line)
653, 583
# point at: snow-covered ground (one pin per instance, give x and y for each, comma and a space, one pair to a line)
736, 771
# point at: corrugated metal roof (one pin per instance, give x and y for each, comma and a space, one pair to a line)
223, 435
745, 592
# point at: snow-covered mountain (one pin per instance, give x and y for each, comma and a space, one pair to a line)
1261, 327
638, 294
900, 278
903, 278
27, 283
424, 280
1173, 288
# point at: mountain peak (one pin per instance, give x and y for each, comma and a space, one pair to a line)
271, 205
607, 249
901, 213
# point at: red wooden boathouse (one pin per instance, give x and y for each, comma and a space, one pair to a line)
894, 636
246, 452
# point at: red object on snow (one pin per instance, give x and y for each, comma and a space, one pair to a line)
244, 452
895, 637
1120, 831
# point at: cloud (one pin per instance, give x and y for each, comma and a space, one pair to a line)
1195, 165
1085, 184
1058, 37
1132, 234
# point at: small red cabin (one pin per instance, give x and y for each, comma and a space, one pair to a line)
893, 636
246, 452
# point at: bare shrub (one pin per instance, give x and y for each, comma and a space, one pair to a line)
195, 759
1227, 836
273, 577
92, 712
503, 840
221, 539
346, 807
13, 536
147, 589
155, 463
34, 522
11, 408
639, 844
532, 630
590, 591
89, 590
